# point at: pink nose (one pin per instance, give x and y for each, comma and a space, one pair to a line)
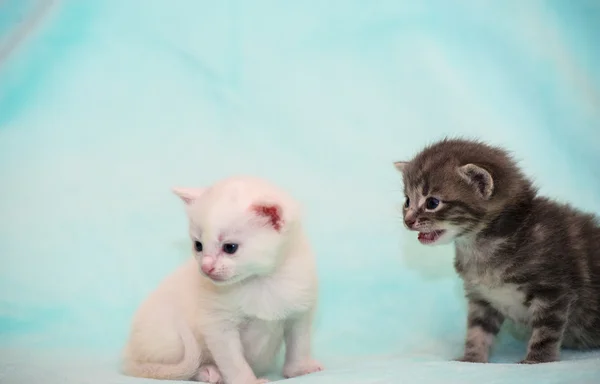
410, 222
207, 268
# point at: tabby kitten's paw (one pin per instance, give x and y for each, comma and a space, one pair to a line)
472, 359
529, 360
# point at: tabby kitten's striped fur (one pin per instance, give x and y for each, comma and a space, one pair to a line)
521, 256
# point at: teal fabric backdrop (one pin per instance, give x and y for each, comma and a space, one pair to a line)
105, 105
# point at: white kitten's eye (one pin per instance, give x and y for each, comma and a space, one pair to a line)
407, 202
198, 246
230, 248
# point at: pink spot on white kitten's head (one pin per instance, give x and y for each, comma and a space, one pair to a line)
189, 195
271, 212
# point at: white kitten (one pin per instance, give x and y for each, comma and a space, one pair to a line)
223, 316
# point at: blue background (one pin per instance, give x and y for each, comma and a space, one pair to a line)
104, 106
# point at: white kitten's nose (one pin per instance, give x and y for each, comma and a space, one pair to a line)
208, 265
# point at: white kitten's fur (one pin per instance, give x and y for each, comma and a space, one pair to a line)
224, 317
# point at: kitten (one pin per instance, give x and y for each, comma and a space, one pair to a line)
223, 316
521, 256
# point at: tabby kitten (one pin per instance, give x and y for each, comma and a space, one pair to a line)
521, 256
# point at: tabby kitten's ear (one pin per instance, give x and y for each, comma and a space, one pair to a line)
400, 165
479, 178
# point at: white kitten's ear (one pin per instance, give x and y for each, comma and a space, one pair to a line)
400, 165
188, 195
272, 213
479, 178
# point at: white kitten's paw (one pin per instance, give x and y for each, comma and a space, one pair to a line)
209, 373
303, 368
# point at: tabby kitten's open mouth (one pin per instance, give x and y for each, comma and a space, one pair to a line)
430, 237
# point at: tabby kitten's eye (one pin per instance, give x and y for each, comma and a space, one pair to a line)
407, 203
198, 246
432, 203
230, 248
